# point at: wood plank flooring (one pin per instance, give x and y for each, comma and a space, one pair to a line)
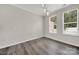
41, 46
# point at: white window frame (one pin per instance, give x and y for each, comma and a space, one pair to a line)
49, 25
77, 22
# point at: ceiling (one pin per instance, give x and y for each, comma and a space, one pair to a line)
38, 9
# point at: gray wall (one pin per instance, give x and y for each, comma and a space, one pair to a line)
17, 25
73, 40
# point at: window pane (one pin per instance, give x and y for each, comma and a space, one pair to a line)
53, 24
53, 19
72, 25
70, 28
70, 16
70, 22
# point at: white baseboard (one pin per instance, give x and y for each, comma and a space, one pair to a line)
63, 41
20, 42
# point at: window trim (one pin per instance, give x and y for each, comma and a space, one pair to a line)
48, 24
77, 22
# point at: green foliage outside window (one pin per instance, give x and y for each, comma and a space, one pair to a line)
70, 17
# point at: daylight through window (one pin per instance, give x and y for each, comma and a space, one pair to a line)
53, 24
70, 22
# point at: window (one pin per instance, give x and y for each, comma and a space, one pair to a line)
53, 24
70, 22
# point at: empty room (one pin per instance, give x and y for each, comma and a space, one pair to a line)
39, 29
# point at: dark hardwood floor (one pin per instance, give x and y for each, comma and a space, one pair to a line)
41, 46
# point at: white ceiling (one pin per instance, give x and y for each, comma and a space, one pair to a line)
38, 9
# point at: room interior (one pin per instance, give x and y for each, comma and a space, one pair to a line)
39, 29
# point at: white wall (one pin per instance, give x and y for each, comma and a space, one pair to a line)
17, 25
69, 39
